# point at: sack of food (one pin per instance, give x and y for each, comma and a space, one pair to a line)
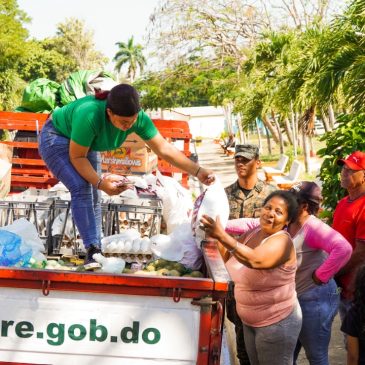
212, 202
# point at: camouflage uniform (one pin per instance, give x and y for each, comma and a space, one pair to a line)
242, 206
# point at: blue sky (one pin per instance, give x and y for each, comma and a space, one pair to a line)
111, 20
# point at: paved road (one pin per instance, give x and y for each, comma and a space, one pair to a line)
211, 156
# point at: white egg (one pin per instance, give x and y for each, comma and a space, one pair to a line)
127, 246
120, 245
136, 245
146, 245
113, 247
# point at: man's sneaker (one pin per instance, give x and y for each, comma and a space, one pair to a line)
91, 250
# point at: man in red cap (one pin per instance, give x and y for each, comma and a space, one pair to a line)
349, 220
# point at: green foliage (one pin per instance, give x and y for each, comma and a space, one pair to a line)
130, 54
347, 138
196, 82
75, 41
11, 88
13, 34
42, 60
12, 43
290, 153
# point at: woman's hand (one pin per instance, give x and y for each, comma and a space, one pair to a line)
212, 228
114, 184
205, 176
171, 154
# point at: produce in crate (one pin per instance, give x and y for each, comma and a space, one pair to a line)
162, 267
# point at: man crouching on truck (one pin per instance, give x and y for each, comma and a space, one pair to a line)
70, 144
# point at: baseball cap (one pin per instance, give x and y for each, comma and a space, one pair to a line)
355, 161
249, 151
308, 191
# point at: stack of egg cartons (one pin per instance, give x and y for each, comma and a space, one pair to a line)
128, 245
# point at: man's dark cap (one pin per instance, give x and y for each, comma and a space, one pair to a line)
249, 151
308, 191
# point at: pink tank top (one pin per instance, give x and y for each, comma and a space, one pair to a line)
263, 297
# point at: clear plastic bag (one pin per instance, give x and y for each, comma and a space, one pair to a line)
10, 254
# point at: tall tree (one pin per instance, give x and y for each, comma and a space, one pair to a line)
183, 28
130, 54
75, 41
13, 37
42, 60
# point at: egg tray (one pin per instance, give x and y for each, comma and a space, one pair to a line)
128, 257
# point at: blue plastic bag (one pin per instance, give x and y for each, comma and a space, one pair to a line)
10, 254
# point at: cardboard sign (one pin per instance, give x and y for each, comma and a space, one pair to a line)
106, 329
132, 157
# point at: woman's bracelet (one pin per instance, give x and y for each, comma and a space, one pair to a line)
197, 171
234, 249
97, 186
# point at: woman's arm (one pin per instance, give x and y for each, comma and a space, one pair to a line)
171, 154
241, 225
352, 350
276, 251
320, 236
78, 158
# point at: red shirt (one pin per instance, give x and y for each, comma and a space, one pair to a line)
349, 220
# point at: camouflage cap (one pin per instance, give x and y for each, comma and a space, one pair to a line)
249, 151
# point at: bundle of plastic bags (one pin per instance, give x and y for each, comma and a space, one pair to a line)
19, 243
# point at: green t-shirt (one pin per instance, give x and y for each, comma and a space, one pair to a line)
85, 122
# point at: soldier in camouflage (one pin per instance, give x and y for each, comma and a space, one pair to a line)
245, 197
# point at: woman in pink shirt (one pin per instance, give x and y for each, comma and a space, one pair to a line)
321, 252
263, 268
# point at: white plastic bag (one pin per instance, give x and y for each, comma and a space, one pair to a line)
183, 236
212, 202
177, 201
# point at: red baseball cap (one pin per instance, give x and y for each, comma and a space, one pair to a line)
355, 161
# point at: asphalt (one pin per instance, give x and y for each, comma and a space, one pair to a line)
211, 156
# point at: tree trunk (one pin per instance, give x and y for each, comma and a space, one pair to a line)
311, 126
244, 137
325, 122
268, 139
258, 135
277, 125
288, 131
312, 151
239, 123
305, 151
332, 117
270, 127
294, 129
227, 109
299, 140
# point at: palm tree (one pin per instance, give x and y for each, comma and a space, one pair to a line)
129, 54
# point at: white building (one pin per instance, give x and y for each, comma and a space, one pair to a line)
204, 121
